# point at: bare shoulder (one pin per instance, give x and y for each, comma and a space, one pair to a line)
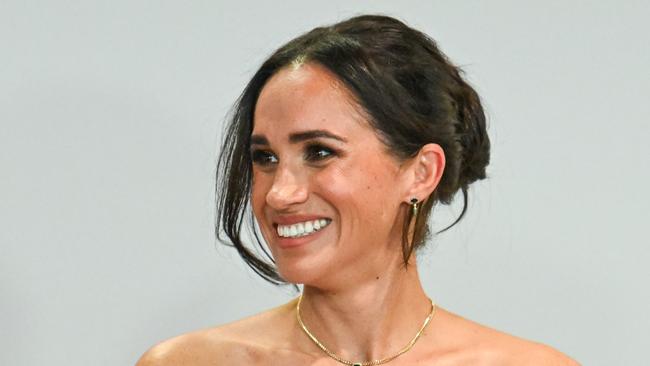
541, 354
185, 349
244, 341
483, 345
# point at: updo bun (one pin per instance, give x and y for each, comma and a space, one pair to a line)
474, 139
406, 87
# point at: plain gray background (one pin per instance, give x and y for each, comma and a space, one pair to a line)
111, 114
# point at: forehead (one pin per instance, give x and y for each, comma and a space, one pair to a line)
305, 97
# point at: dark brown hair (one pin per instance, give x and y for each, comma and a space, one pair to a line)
410, 92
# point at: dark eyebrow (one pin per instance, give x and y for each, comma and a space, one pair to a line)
313, 134
298, 137
259, 140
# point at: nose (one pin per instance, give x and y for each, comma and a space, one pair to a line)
287, 190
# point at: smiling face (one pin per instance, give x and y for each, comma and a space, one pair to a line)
326, 193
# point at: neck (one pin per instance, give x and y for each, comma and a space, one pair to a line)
372, 320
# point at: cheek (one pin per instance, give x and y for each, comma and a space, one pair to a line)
364, 194
333, 185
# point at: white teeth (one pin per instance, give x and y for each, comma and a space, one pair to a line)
302, 228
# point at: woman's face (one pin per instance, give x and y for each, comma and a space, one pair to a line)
326, 194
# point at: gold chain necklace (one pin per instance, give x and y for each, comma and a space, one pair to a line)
366, 363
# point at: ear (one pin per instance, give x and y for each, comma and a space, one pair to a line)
425, 171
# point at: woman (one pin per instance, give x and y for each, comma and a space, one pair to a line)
340, 146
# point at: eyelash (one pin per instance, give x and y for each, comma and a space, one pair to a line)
313, 153
262, 157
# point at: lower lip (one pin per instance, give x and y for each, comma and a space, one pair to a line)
288, 243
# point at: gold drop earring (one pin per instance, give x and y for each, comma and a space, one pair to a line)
414, 207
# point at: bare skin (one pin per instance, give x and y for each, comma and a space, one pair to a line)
358, 298
274, 338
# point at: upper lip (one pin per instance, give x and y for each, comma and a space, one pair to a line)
294, 219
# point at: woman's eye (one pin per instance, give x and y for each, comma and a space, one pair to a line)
263, 158
318, 153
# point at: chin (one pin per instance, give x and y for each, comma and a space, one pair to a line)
307, 271
296, 274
